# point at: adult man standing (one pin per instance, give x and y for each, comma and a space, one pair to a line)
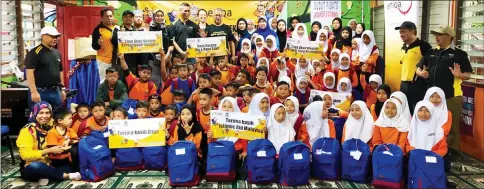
134, 59
221, 29
446, 66
105, 42
44, 70
413, 51
183, 28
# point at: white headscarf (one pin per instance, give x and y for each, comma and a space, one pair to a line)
355, 53
260, 59
236, 109
294, 115
329, 74
279, 133
301, 72
399, 122
441, 111
341, 67
364, 50
335, 64
274, 46
269, 24
242, 48
255, 27
348, 84
332, 99
316, 126
294, 34
298, 81
258, 50
405, 107
254, 105
325, 46
376, 78
425, 134
360, 128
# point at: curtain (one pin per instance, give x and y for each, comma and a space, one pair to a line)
84, 78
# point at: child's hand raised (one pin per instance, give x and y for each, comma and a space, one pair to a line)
120, 55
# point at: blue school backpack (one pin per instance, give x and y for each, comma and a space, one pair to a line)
353, 169
293, 164
130, 106
326, 159
183, 164
339, 124
221, 162
426, 170
129, 159
154, 157
387, 166
95, 162
100, 136
261, 162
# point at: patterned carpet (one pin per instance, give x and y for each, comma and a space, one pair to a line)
466, 173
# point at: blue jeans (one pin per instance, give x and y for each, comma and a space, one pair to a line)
38, 170
52, 96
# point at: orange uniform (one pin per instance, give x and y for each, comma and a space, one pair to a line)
159, 115
54, 138
196, 100
388, 135
346, 73
194, 137
92, 123
373, 112
371, 98
441, 147
268, 89
139, 91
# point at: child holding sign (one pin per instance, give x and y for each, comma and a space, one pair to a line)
317, 124
279, 128
391, 127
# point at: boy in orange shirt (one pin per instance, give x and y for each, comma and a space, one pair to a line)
203, 114
203, 83
62, 135
138, 88
155, 106
97, 122
81, 114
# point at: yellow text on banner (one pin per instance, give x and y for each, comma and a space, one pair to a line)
204, 47
136, 133
237, 124
303, 48
139, 41
340, 100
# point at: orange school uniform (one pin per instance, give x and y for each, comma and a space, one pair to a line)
91, 122
196, 138
139, 91
54, 138
389, 135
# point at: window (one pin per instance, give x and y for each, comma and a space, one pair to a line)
472, 36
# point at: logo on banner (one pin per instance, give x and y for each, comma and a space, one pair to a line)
402, 6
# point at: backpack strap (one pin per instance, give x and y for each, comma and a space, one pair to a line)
135, 81
175, 83
190, 83
151, 84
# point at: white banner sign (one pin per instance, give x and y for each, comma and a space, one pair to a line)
237, 124
136, 133
325, 11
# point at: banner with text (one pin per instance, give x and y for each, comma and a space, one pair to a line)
237, 124
204, 47
340, 100
139, 41
325, 11
136, 133
298, 48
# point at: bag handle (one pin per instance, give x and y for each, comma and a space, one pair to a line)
356, 142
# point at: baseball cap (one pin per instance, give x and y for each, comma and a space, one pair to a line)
49, 30
407, 25
126, 12
444, 30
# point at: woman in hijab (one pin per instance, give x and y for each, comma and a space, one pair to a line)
158, 24
344, 43
293, 21
336, 23
315, 27
360, 28
34, 154
265, 30
281, 34
241, 33
359, 124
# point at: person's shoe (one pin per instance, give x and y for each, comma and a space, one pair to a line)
75, 176
43, 182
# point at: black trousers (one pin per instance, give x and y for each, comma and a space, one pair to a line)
415, 92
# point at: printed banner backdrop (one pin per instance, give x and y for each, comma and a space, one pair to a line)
203, 47
468, 110
325, 11
139, 41
472, 121
136, 133
340, 100
237, 124
298, 48
396, 12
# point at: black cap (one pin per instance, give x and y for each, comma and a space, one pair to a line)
407, 25
126, 12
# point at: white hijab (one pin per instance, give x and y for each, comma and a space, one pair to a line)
258, 50
279, 133
236, 109
253, 30
399, 121
325, 45
260, 59
269, 24
360, 128
355, 53
298, 81
294, 115
335, 64
364, 50
300, 71
254, 105
274, 46
329, 74
242, 48
405, 107
316, 126
376, 78
425, 134
332, 99
341, 56
441, 111
303, 37
348, 84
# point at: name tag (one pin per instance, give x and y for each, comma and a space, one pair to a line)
261, 154
298, 156
180, 151
430, 159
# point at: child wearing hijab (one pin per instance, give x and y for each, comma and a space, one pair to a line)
189, 129
344, 43
354, 56
345, 70
382, 94
437, 97
315, 27
303, 91
259, 45
402, 98
425, 133
281, 71
360, 28
300, 32
333, 112
270, 50
336, 23
329, 82
368, 51
281, 34
279, 128
292, 109
335, 54
316, 124
259, 105
344, 86
261, 83
322, 37
370, 90
391, 127
303, 68
359, 124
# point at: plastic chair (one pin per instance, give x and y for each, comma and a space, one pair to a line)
5, 130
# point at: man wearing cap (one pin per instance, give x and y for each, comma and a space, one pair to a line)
446, 66
44, 70
105, 42
133, 22
413, 51
221, 29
